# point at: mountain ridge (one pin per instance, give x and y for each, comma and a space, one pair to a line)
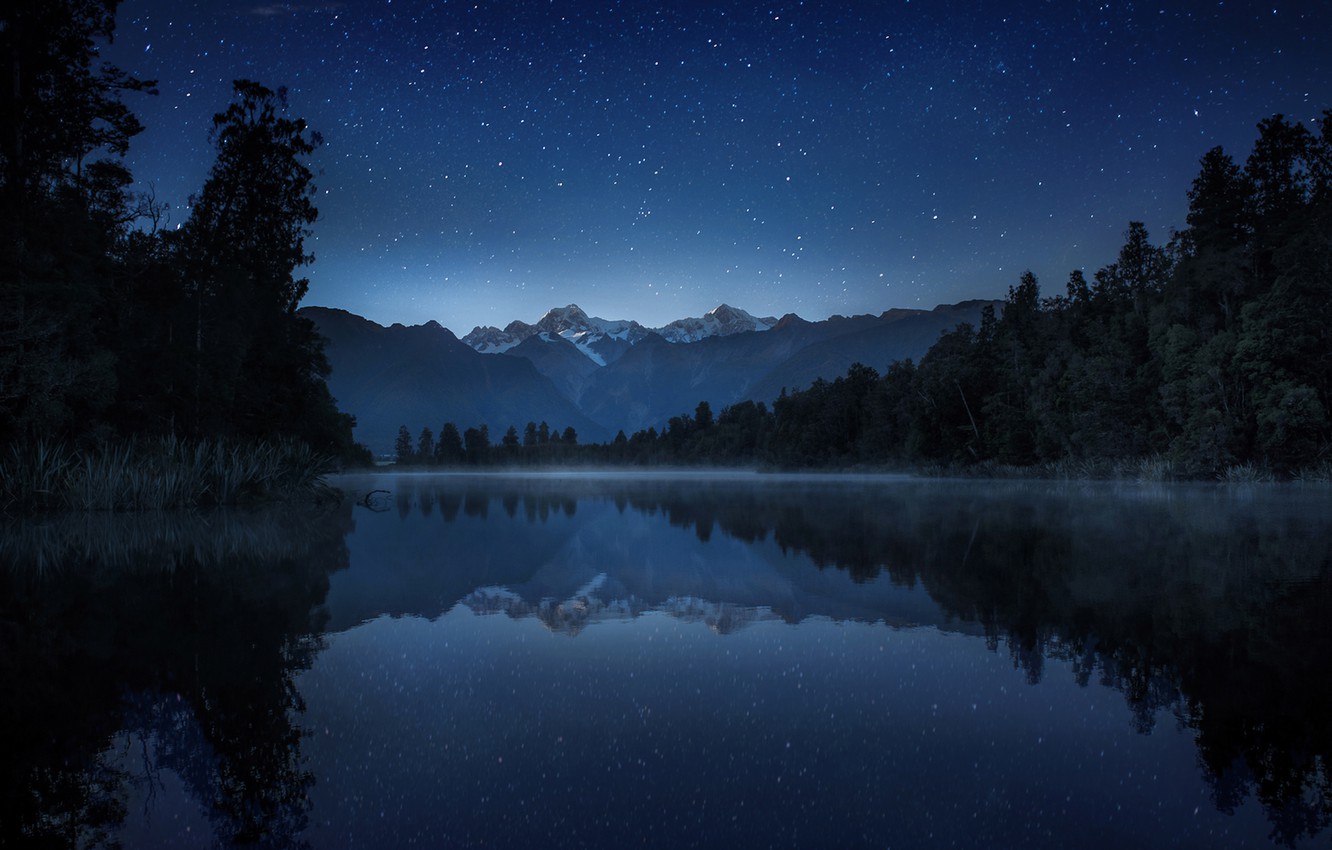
601, 376
423, 376
602, 340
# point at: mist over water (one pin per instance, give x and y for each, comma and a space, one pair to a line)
697, 660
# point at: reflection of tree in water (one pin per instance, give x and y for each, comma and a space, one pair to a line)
190, 667
1204, 607
1263, 728
475, 498
1194, 602
1190, 601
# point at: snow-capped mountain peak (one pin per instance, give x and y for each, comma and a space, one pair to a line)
722, 320
492, 340
562, 320
601, 340
604, 340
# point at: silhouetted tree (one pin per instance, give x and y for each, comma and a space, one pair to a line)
476, 442
63, 217
402, 446
703, 416
425, 446
449, 448
258, 367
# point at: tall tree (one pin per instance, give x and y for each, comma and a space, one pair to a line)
449, 447
703, 416
1284, 346
402, 446
258, 367
62, 212
1194, 332
1219, 206
476, 442
56, 108
425, 446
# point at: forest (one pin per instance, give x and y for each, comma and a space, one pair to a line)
1208, 356
120, 337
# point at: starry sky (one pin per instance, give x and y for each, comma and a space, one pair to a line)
485, 161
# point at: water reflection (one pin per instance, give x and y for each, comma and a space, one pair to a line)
165, 666
136, 647
1202, 605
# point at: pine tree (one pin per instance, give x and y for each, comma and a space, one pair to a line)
449, 448
425, 446
402, 447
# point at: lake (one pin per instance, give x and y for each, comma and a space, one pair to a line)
693, 660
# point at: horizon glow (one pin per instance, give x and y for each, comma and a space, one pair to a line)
488, 163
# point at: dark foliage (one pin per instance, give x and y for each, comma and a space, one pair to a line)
1199, 358
111, 328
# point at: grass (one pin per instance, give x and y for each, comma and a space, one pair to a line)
1320, 473
157, 474
1245, 473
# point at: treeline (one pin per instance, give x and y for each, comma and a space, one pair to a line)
1208, 355
114, 323
539, 443
738, 437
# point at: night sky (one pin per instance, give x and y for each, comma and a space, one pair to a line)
487, 161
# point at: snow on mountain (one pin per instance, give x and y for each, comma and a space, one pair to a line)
388, 376
492, 340
576, 326
596, 603
604, 340
722, 320
601, 340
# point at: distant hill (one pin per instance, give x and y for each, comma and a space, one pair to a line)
560, 361
656, 379
894, 335
596, 375
423, 376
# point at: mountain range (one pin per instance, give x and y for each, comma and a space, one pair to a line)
605, 340
600, 376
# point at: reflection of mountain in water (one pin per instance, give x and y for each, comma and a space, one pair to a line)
570, 616
1202, 602
544, 540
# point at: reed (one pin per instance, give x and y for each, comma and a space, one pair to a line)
1155, 467
33, 475
1320, 473
159, 474
1245, 473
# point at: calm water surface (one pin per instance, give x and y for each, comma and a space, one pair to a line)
696, 661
